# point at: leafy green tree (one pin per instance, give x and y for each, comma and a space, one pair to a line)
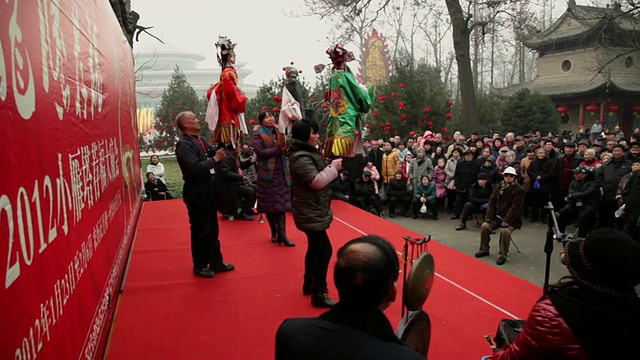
412, 101
490, 110
526, 111
179, 96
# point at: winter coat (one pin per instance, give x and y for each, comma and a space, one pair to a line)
566, 169
466, 174
610, 175
228, 179
440, 177
397, 188
428, 192
586, 191
311, 186
492, 173
526, 180
390, 164
479, 195
507, 205
249, 167
157, 170
420, 167
366, 188
631, 196
545, 168
375, 175
274, 195
450, 169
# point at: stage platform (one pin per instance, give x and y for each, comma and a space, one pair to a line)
166, 312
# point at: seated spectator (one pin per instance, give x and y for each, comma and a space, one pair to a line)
341, 187
582, 201
424, 194
592, 314
155, 188
479, 195
489, 167
231, 185
248, 161
366, 275
156, 167
367, 194
397, 193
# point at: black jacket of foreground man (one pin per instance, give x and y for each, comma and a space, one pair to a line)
342, 333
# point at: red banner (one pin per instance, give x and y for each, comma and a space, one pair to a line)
71, 184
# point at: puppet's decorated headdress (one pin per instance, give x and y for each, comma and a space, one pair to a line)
224, 48
291, 72
339, 55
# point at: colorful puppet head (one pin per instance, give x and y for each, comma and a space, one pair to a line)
225, 50
339, 55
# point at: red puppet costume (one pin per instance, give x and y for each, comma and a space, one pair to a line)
225, 112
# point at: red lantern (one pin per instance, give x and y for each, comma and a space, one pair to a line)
367, 126
401, 105
635, 109
382, 98
412, 133
427, 109
252, 121
404, 117
388, 123
444, 130
563, 109
430, 124
374, 114
387, 129
613, 108
265, 108
592, 108
450, 103
401, 86
324, 105
393, 94
449, 115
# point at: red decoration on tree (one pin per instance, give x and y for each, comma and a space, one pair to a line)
421, 123
382, 98
401, 105
563, 109
275, 110
324, 105
613, 108
592, 108
424, 117
367, 126
172, 124
388, 123
312, 100
252, 121
189, 108
374, 114
404, 117
395, 132
180, 105
381, 126
430, 124
427, 109
401, 86
447, 138
444, 130
171, 115
265, 108
394, 94
277, 98
449, 114
450, 103
326, 95
412, 133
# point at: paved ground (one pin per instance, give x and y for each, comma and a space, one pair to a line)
528, 265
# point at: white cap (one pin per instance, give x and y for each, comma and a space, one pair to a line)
510, 170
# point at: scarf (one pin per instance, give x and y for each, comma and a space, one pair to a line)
272, 138
505, 186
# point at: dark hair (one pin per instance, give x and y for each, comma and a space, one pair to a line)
618, 146
151, 158
365, 278
262, 115
150, 172
301, 130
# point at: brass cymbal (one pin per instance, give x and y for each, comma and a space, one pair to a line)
419, 282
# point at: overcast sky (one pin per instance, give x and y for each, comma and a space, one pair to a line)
267, 38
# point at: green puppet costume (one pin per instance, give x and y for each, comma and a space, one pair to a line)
347, 102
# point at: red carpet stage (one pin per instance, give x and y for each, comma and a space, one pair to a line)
167, 313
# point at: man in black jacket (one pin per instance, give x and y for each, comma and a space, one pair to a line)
197, 166
479, 196
365, 274
582, 201
609, 176
465, 176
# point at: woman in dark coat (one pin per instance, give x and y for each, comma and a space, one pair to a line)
311, 184
274, 181
542, 171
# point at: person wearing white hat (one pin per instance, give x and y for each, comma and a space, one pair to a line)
505, 212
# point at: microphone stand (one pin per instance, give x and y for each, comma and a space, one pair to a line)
553, 233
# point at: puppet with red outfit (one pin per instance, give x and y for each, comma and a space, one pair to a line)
225, 112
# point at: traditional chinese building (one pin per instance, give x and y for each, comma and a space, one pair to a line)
589, 65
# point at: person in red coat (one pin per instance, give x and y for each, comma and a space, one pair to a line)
592, 314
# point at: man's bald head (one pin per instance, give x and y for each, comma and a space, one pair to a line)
182, 117
366, 271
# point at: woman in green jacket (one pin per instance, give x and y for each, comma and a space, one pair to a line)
424, 194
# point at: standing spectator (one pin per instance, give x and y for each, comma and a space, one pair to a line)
424, 194
629, 196
402, 151
420, 166
397, 193
619, 134
505, 211
156, 189
510, 160
450, 170
634, 151
479, 195
197, 166
590, 159
375, 158
232, 185
519, 148
390, 162
526, 180
440, 181
596, 130
541, 173
312, 206
609, 176
465, 176
568, 163
581, 201
248, 163
406, 166
489, 167
156, 167
273, 178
